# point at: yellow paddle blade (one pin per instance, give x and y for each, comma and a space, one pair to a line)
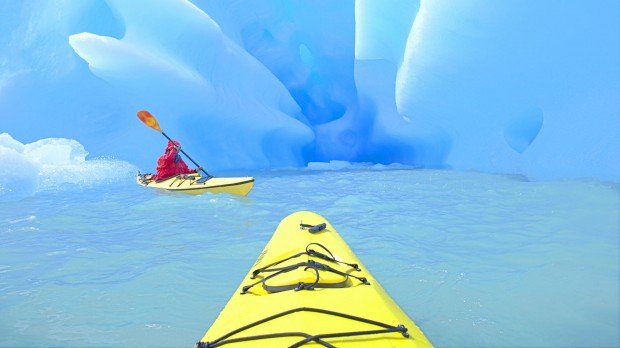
149, 120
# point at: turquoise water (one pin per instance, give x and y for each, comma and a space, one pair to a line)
475, 259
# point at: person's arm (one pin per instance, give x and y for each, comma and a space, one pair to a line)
182, 168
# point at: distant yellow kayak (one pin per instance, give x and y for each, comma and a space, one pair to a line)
194, 184
307, 287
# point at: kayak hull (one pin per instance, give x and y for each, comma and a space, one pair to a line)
341, 309
191, 184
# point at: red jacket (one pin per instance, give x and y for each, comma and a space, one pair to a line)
170, 163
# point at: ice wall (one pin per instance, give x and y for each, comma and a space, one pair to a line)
46, 90
518, 86
190, 70
511, 86
391, 137
330, 57
309, 46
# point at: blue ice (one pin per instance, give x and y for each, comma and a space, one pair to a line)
501, 87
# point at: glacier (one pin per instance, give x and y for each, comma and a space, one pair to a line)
523, 87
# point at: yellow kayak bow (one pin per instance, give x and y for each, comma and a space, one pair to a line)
308, 287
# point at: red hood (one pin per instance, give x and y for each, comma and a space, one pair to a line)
172, 144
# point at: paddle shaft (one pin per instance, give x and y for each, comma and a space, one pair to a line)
189, 158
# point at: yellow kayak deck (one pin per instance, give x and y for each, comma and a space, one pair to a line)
194, 184
308, 287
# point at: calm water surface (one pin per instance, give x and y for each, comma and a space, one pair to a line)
475, 259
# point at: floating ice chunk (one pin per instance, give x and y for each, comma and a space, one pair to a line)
18, 174
7, 141
56, 151
48, 164
345, 165
26, 219
84, 173
331, 165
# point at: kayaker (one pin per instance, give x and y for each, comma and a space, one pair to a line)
170, 163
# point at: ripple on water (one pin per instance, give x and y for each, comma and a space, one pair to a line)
475, 259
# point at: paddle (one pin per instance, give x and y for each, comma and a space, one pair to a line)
148, 119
